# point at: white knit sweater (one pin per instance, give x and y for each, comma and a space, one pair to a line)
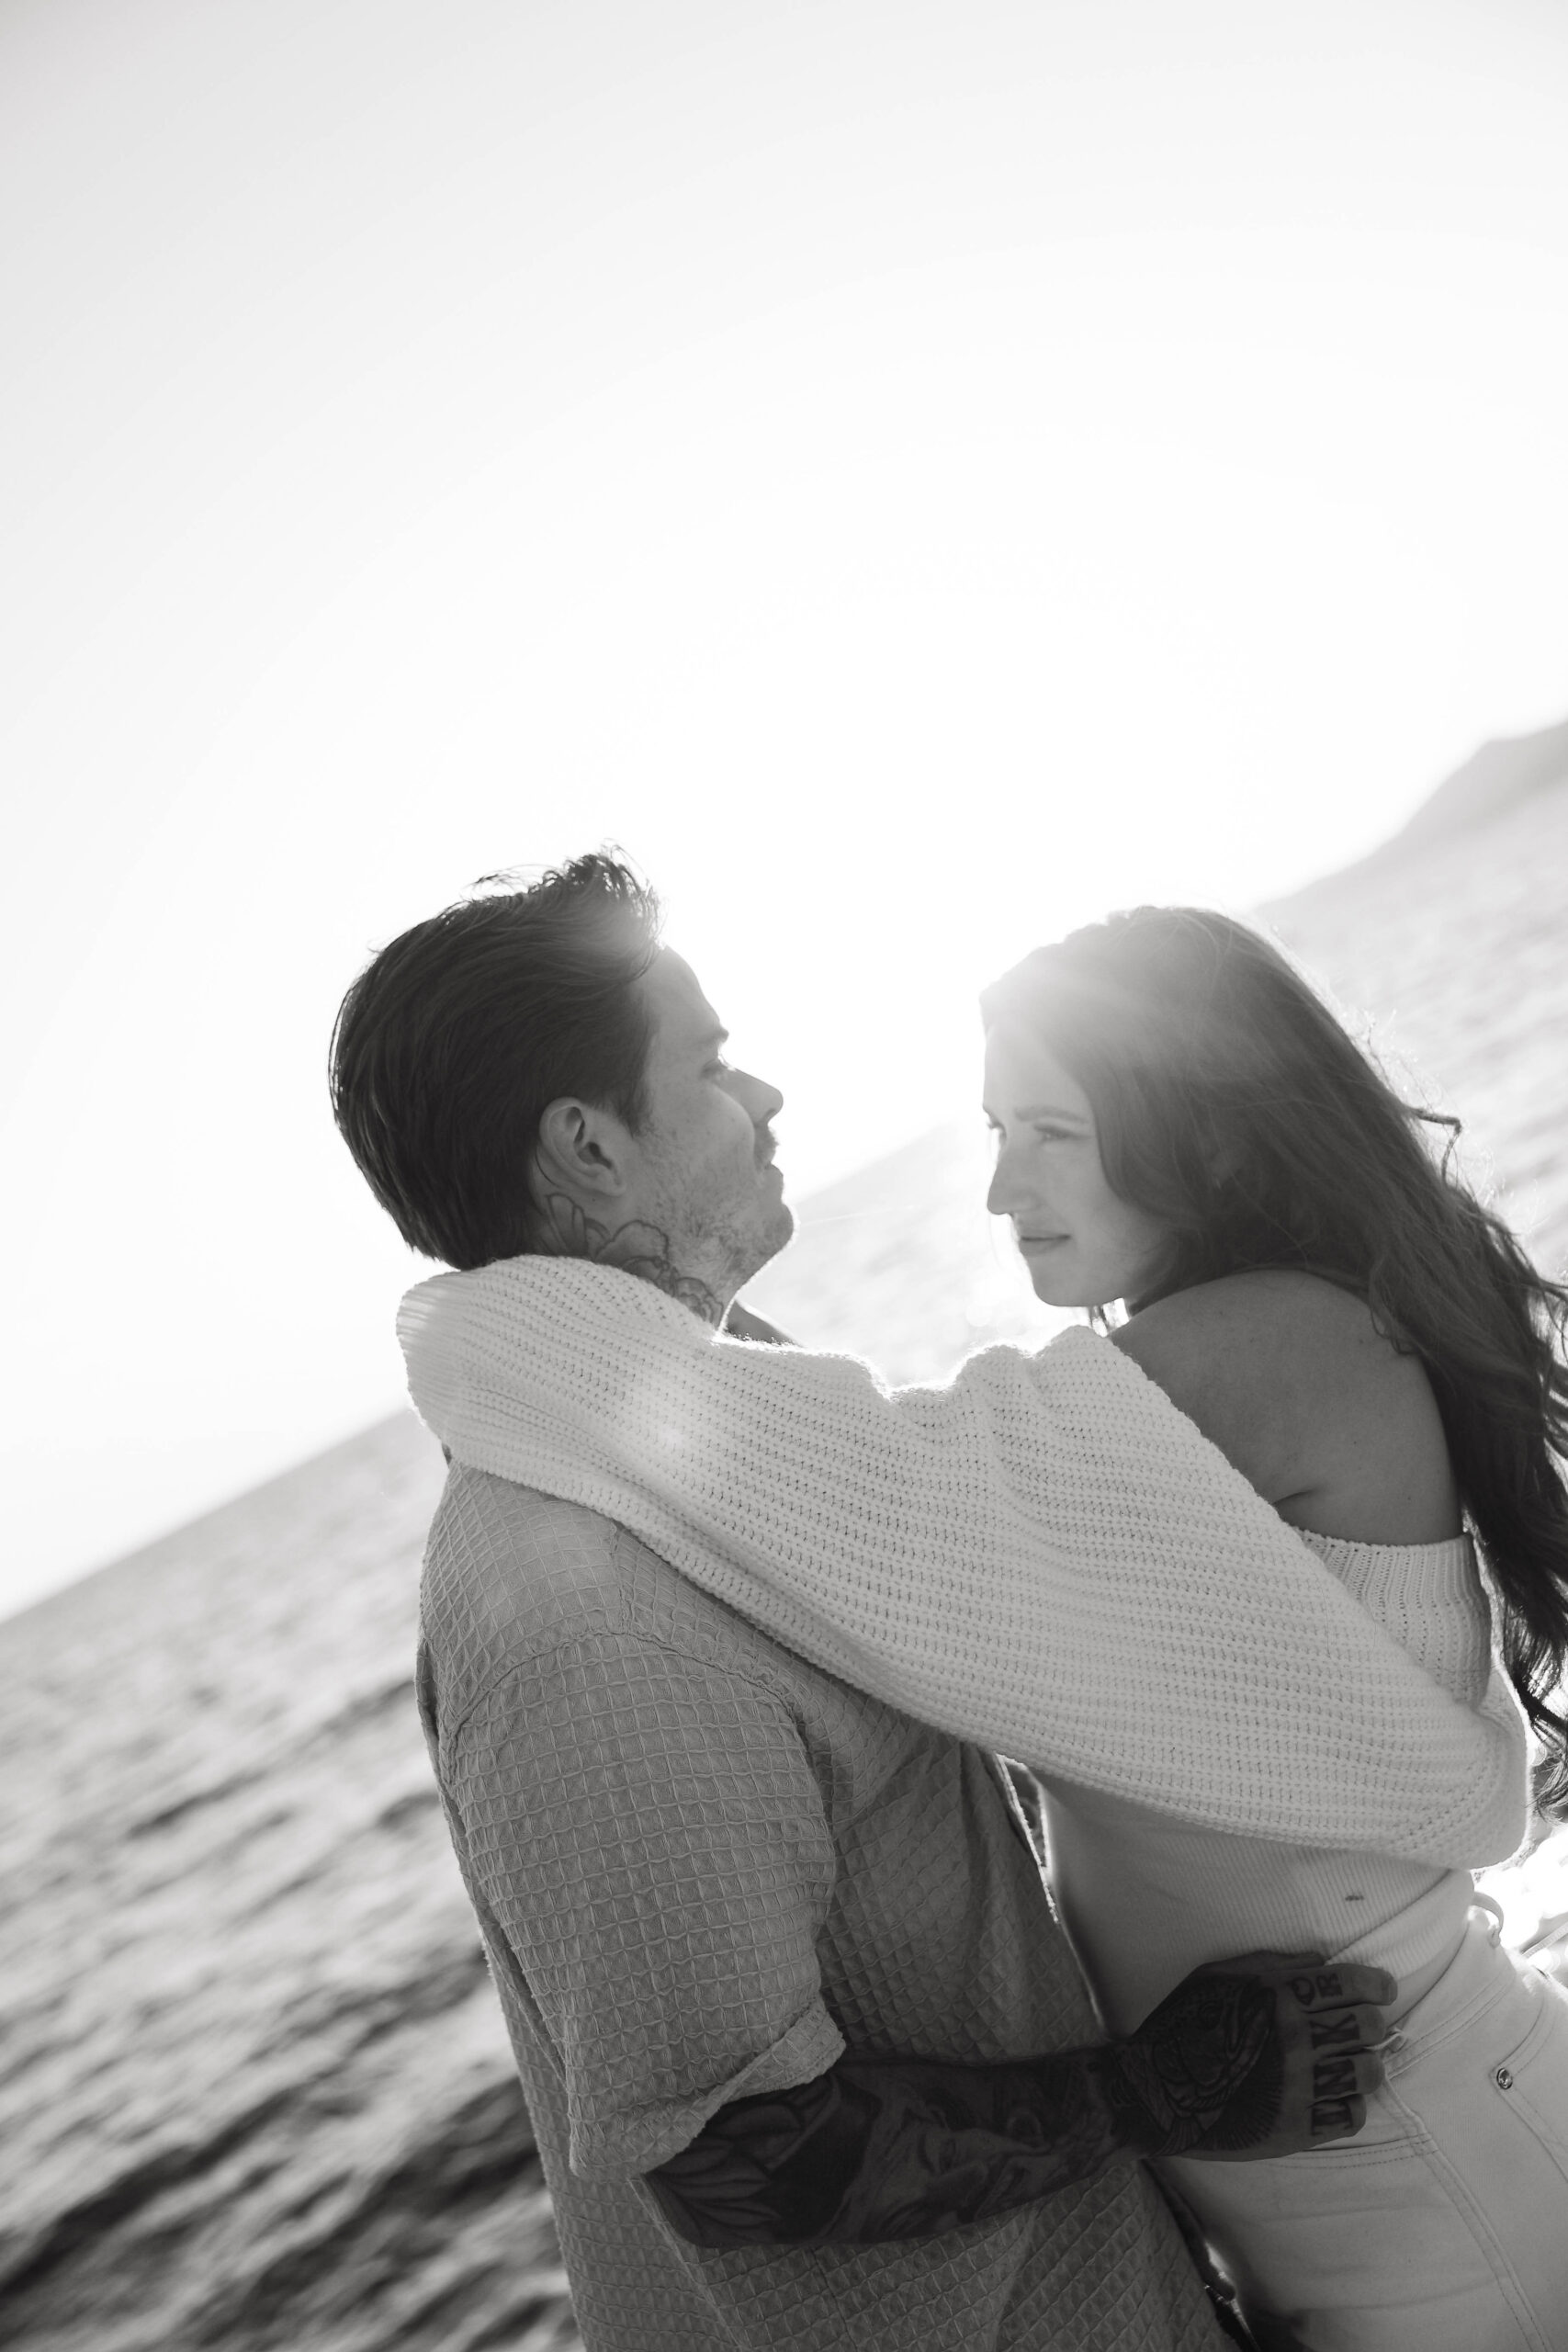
1045, 1556
1145, 1898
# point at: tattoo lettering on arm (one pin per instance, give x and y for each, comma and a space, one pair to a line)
636, 1248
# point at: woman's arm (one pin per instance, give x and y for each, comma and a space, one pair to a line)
1043, 1556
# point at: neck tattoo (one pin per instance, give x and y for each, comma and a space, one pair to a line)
636, 1248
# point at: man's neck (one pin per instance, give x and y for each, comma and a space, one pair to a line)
635, 1247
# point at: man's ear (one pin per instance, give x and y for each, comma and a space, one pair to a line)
582, 1151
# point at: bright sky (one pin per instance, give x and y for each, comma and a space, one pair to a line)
915, 472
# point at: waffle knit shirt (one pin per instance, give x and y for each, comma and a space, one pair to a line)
702, 1867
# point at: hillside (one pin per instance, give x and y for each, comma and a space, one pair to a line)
1498, 777
253, 2088
1455, 953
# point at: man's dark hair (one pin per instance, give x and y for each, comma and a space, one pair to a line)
454, 1040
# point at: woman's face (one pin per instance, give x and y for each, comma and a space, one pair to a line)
1083, 1244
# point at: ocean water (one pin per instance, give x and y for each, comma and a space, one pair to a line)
254, 2085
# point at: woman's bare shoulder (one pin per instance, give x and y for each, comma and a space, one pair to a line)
1290, 1376
1272, 1316
1267, 1299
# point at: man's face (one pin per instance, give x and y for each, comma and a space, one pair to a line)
702, 1167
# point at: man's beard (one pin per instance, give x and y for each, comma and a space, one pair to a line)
727, 1242
748, 1246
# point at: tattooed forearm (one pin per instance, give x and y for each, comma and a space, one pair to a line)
637, 1248
879, 2149
1258, 2057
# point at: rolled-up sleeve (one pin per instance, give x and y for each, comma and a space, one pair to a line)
647, 1836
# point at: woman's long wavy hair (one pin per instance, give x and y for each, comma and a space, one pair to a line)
1231, 1104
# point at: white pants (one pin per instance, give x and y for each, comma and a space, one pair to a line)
1443, 2225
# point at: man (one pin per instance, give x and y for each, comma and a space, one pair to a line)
808, 2057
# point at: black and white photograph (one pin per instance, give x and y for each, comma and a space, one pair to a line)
785, 1125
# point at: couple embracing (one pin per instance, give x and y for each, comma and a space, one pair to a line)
724, 1643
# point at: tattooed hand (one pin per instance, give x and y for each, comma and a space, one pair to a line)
1267, 2055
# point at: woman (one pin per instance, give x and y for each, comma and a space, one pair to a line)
1182, 1125
1184, 1128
